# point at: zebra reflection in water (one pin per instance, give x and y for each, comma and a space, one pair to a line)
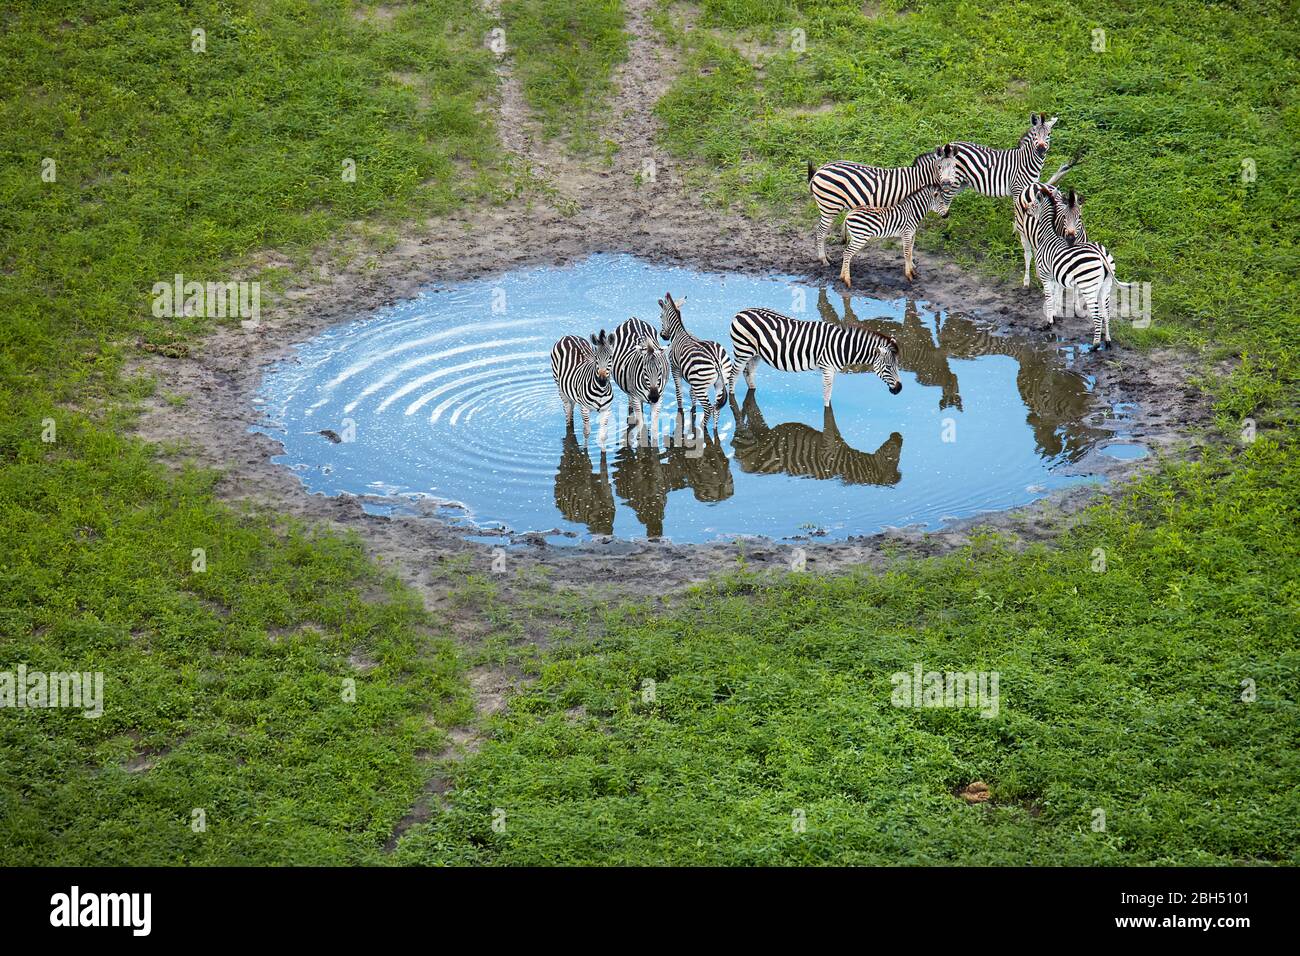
643, 475
793, 448
1057, 400
583, 495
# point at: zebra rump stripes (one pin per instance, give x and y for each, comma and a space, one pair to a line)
795, 345
901, 221
843, 185
581, 372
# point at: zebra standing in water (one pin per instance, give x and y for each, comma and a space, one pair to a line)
842, 185
862, 225
1066, 263
1007, 172
703, 363
640, 369
795, 345
582, 376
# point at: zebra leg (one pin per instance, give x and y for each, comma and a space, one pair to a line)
742, 364
603, 419
749, 370
702, 398
1049, 297
851, 250
824, 227
586, 424
909, 270
828, 379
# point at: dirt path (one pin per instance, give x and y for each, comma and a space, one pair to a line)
591, 207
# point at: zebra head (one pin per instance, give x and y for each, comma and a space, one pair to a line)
941, 198
1049, 205
885, 364
1039, 135
603, 347
943, 165
1069, 218
652, 369
670, 317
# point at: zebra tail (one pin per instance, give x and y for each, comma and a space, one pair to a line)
812, 170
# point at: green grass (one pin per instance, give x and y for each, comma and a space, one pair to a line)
1119, 691
230, 680
1168, 112
564, 54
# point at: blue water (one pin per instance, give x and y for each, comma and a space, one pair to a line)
445, 403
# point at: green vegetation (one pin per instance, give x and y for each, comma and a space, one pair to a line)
1181, 96
564, 55
1120, 691
169, 160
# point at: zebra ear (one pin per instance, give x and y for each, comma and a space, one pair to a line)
1033, 119
1049, 123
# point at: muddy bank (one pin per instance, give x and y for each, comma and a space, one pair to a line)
588, 207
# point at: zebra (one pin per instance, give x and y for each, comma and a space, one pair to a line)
861, 225
1006, 172
1066, 225
703, 363
640, 369
795, 345
842, 185
1063, 262
581, 373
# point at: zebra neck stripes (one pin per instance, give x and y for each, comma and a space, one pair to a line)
1004, 172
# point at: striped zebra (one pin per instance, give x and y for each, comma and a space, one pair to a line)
640, 369
703, 363
842, 185
1065, 225
861, 225
1067, 263
581, 373
1006, 172
795, 345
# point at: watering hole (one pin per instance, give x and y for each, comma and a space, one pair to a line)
445, 404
